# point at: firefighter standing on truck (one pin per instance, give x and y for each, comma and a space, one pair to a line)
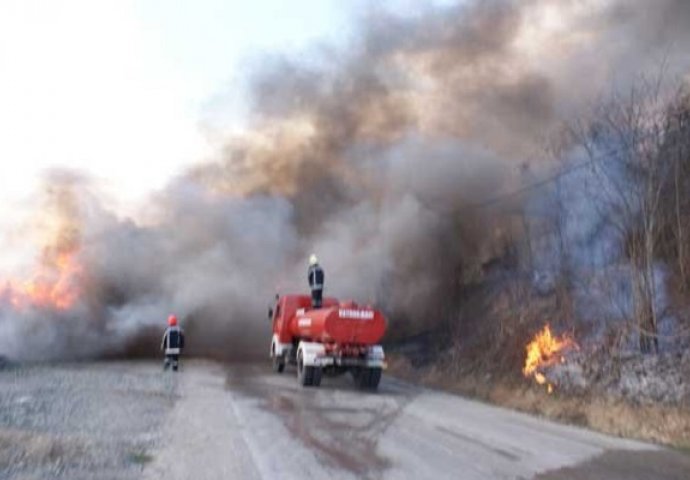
316, 278
172, 344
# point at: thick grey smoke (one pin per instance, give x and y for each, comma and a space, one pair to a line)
372, 156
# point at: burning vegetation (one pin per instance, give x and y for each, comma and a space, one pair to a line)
54, 286
55, 281
543, 351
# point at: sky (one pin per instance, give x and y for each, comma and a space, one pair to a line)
130, 92
124, 91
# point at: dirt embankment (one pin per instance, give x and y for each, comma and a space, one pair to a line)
603, 383
641, 397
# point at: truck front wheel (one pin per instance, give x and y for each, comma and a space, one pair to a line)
277, 361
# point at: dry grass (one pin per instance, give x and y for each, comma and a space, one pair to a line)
660, 424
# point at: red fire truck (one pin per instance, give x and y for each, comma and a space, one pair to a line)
339, 337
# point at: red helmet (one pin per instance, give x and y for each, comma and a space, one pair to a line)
172, 320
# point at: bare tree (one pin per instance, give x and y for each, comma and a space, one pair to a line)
624, 141
677, 199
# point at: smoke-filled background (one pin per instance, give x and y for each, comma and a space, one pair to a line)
382, 157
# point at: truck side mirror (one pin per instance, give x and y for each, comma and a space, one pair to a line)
270, 314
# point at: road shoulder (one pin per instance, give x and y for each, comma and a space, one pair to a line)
202, 437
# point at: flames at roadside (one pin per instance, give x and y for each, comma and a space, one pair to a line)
53, 286
543, 351
54, 281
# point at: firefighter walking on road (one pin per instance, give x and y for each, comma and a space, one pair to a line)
316, 279
172, 344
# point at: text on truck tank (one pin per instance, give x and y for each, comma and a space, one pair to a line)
356, 314
304, 322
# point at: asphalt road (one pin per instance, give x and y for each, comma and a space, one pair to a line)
247, 422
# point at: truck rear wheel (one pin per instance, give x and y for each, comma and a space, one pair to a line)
367, 378
307, 376
304, 374
374, 378
316, 376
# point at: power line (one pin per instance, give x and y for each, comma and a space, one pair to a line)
532, 186
553, 178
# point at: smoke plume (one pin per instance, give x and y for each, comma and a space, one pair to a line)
374, 157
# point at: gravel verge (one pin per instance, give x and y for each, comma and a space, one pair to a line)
82, 421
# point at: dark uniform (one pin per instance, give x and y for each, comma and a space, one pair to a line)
316, 278
172, 344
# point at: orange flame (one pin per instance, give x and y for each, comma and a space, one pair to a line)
543, 351
55, 285
55, 282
